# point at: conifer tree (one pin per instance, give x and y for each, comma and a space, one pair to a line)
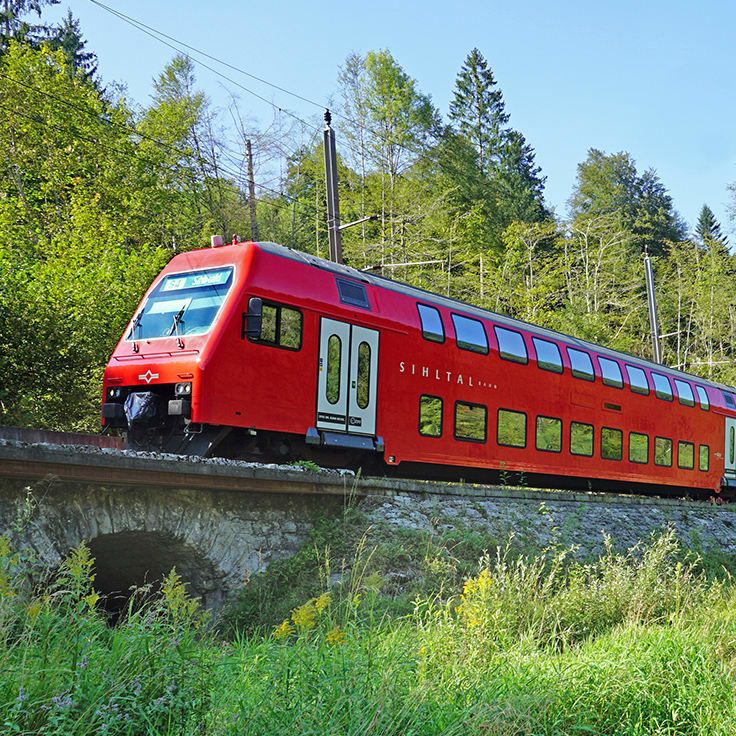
68, 38
708, 228
13, 27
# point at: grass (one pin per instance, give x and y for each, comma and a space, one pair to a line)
539, 644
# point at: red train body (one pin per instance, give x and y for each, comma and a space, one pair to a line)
255, 346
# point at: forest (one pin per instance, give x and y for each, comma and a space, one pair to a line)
98, 192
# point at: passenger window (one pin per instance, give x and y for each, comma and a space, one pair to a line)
685, 455
352, 293
611, 372
637, 380
470, 334
432, 327
612, 444
430, 416
281, 327
703, 398
684, 393
511, 429
334, 357
470, 422
364, 375
549, 434
511, 345
704, 457
581, 364
548, 355
581, 439
662, 388
662, 451
638, 448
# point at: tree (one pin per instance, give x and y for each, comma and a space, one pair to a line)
68, 38
13, 27
708, 229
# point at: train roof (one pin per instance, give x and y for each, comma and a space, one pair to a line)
423, 295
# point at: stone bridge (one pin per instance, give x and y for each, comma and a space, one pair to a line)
218, 522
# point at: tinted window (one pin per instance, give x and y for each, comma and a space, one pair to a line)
470, 334
685, 455
430, 416
432, 327
352, 293
703, 398
611, 372
637, 380
728, 398
638, 448
511, 345
581, 439
334, 356
581, 364
281, 327
364, 375
549, 434
511, 430
684, 393
548, 355
662, 388
704, 457
470, 422
662, 451
612, 443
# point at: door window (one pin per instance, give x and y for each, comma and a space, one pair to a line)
334, 358
364, 375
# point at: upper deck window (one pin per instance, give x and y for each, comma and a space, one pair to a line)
684, 393
548, 355
637, 380
581, 364
431, 319
470, 334
703, 398
662, 388
353, 293
182, 304
511, 345
611, 372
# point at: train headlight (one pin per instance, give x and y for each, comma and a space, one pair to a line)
183, 389
115, 393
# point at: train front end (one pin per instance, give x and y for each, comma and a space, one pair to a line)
152, 387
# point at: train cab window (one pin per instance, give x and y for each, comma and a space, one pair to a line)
637, 380
471, 421
363, 378
281, 327
612, 443
662, 387
548, 355
581, 364
352, 293
334, 358
728, 398
470, 334
511, 345
549, 434
511, 428
704, 457
685, 455
684, 393
432, 327
430, 416
611, 372
703, 398
581, 439
663, 451
638, 448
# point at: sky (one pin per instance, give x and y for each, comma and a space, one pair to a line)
654, 77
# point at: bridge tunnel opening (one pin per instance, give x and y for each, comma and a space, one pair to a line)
127, 561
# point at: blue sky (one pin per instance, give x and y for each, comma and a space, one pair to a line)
653, 78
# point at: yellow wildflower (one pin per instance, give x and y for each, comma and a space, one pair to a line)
305, 616
336, 636
322, 602
92, 598
283, 631
34, 610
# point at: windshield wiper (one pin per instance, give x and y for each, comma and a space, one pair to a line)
177, 320
136, 324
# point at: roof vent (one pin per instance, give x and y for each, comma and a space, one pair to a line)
216, 241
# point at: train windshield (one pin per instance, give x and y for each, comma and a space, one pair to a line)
182, 304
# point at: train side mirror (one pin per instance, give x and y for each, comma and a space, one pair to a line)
253, 319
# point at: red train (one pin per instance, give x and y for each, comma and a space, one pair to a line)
253, 348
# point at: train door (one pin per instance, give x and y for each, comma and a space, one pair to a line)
730, 447
347, 379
